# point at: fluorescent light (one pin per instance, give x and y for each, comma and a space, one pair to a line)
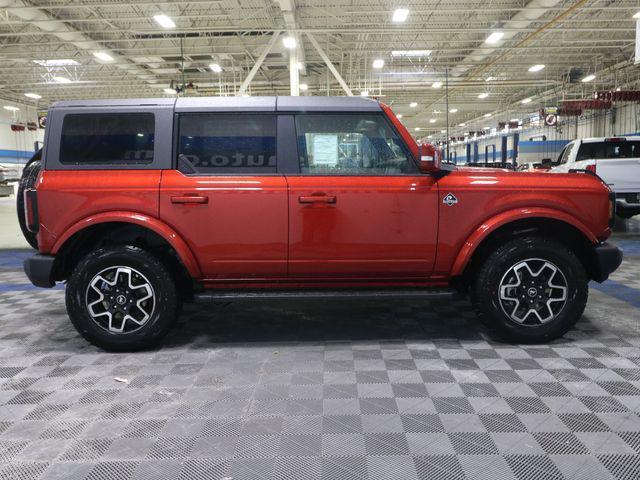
304, 87
536, 68
436, 85
103, 56
588, 78
527, 100
61, 79
490, 79
417, 129
215, 68
300, 65
462, 124
636, 15
289, 42
35, 96
495, 37
483, 95
378, 63
429, 136
410, 53
364, 93
400, 15
487, 115
453, 110
443, 131
399, 115
60, 62
170, 91
618, 89
515, 120
164, 21
413, 104
11, 108
433, 120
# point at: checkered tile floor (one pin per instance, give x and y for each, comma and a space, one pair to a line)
378, 390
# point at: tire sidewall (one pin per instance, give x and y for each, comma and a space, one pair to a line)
27, 180
506, 257
164, 312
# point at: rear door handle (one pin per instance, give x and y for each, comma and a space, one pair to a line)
199, 199
317, 199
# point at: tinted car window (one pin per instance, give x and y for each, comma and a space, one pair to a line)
604, 150
227, 143
107, 139
350, 144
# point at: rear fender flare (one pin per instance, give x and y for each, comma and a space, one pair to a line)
493, 223
160, 228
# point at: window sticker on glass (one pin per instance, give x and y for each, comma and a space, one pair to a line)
325, 150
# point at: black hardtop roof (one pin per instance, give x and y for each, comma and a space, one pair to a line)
235, 104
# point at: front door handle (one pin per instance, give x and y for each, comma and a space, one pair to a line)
317, 199
199, 199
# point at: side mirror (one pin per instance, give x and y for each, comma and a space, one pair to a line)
429, 158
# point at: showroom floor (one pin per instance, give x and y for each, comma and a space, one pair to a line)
345, 391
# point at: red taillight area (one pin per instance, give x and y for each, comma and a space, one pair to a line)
615, 139
591, 168
31, 210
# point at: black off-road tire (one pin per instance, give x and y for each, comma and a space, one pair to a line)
166, 301
27, 180
485, 289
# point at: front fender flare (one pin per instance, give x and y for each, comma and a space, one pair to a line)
162, 229
493, 223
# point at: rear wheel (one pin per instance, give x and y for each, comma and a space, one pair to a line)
530, 290
27, 180
121, 298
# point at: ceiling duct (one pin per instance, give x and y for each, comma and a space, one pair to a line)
47, 23
525, 17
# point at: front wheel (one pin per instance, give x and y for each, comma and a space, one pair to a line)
530, 290
121, 298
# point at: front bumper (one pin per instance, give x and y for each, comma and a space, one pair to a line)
608, 258
39, 269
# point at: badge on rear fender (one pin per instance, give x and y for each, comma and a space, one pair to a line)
450, 200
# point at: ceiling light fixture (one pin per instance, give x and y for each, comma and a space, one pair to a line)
215, 68
436, 85
11, 108
453, 110
378, 63
289, 42
526, 100
399, 115
494, 38
482, 96
61, 79
59, 62
433, 120
304, 87
490, 79
588, 78
364, 93
413, 104
636, 15
536, 68
103, 56
170, 91
410, 53
487, 115
164, 21
35, 96
462, 124
400, 15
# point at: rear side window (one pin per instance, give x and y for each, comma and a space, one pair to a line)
566, 153
107, 139
350, 144
227, 143
607, 150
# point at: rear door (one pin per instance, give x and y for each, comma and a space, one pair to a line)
226, 197
359, 207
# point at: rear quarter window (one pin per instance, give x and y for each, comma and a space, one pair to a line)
107, 139
609, 150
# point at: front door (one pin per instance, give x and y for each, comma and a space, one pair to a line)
226, 198
359, 207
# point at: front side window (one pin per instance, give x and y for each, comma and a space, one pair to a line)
107, 139
565, 154
350, 144
227, 143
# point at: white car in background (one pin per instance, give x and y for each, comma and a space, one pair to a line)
614, 159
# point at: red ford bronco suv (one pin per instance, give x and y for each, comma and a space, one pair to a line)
141, 205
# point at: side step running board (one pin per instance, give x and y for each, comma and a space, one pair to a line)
258, 295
